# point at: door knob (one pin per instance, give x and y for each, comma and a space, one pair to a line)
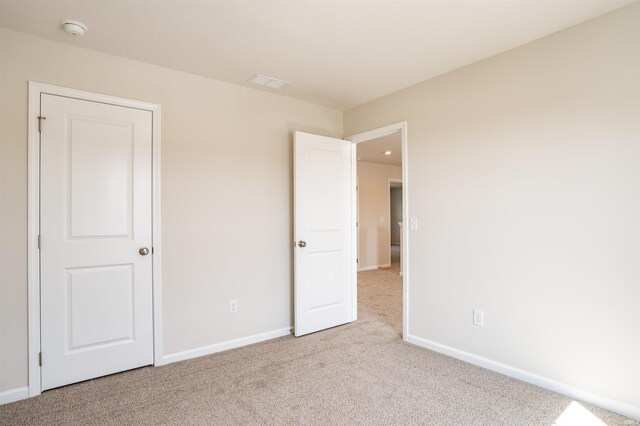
144, 251
302, 244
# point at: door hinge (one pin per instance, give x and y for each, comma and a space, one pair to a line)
40, 118
357, 260
39, 241
40, 359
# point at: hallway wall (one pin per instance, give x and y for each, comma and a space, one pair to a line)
373, 213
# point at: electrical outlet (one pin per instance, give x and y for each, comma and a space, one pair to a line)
233, 306
413, 224
478, 318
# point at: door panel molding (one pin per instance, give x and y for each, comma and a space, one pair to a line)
36, 89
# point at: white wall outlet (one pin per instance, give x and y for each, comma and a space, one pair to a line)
233, 306
478, 318
413, 224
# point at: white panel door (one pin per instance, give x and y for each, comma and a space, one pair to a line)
95, 221
324, 259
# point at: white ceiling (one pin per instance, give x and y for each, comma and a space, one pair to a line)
373, 151
335, 53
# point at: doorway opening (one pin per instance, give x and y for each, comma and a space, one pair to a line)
382, 211
395, 216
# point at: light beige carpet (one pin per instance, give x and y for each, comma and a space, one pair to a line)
361, 373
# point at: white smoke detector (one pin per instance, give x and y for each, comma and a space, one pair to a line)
74, 27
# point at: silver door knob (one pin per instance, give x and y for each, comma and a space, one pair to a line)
144, 251
302, 244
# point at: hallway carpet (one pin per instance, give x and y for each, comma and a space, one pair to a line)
357, 374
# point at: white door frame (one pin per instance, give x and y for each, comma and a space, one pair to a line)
33, 226
374, 134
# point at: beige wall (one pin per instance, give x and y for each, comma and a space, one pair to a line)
396, 214
373, 205
226, 181
524, 177
524, 174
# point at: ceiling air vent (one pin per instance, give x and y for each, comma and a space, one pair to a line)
263, 80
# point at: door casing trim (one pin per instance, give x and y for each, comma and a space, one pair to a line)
33, 220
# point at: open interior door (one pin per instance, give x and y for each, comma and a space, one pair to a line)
325, 281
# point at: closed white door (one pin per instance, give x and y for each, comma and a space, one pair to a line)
324, 256
95, 228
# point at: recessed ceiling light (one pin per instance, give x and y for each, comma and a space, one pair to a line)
263, 80
74, 27
387, 153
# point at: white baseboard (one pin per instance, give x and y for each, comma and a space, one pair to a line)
535, 379
371, 268
225, 346
367, 268
13, 395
